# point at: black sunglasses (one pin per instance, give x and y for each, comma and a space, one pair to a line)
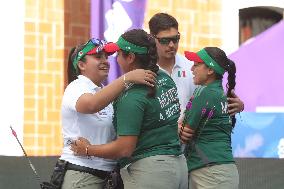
167, 40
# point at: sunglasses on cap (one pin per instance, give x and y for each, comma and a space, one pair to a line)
94, 46
100, 44
167, 40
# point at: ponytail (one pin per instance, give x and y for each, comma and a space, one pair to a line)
231, 68
153, 59
72, 74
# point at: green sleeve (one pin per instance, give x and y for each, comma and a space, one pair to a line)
199, 109
129, 113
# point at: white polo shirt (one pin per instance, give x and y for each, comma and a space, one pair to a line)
183, 78
97, 127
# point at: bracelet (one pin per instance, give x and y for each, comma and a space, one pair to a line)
126, 84
124, 78
87, 150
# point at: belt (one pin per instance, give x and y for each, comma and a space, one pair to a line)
99, 173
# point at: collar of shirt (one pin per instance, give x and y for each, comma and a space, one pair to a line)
176, 65
215, 84
89, 82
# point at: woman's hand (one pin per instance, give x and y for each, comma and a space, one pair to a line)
235, 105
141, 76
185, 133
80, 146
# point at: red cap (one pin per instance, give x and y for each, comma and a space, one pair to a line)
192, 56
109, 48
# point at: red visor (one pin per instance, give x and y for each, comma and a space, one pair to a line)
192, 56
109, 48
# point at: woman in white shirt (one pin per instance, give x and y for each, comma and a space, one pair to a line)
87, 110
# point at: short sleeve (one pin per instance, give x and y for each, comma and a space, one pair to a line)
72, 94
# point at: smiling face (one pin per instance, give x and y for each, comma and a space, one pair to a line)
201, 73
96, 67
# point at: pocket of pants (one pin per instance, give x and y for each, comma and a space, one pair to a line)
221, 173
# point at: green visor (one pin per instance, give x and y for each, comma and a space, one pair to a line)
203, 56
130, 47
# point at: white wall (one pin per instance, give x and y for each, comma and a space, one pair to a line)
230, 19
11, 75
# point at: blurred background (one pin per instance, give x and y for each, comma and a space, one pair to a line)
36, 36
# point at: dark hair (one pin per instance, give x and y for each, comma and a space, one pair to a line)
145, 61
162, 21
221, 58
72, 74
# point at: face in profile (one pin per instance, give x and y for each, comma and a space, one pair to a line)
200, 73
122, 60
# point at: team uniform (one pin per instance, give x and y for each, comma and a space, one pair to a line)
157, 161
210, 160
182, 77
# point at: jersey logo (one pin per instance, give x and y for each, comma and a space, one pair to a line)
224, 106
181, 73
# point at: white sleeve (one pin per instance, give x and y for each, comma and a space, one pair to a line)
72, 94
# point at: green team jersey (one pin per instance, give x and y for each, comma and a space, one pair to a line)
207, 114
152, 119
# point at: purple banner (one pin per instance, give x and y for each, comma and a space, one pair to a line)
260, 71
111, 18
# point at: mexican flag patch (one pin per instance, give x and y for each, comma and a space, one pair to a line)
181, 73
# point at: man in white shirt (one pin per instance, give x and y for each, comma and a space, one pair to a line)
164, 28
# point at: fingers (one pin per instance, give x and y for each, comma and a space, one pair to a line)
235, 106
141, 76
234, 94
150, 79
79, 146
186, 134
233, 100
149, 83
180, 128
233, 111
184, 137
81, 139
188, 130
73, 148
151, 73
